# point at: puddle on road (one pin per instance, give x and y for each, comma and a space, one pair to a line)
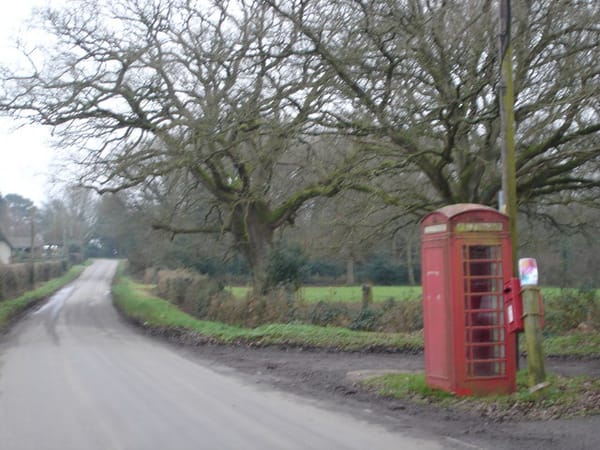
52, 309
56, 302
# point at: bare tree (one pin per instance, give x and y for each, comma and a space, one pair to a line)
422, 75
68, 221
211, 97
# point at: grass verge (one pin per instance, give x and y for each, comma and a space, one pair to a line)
156, 314
574, 345
11, 308
565, 397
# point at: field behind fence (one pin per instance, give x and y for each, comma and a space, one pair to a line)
342, 294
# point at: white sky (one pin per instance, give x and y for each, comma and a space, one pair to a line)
25, 154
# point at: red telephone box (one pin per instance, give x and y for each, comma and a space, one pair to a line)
466, 260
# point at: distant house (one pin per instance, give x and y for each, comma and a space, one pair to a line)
21, 246
5, 249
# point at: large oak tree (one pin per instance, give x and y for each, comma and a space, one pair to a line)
422, 79
213, 99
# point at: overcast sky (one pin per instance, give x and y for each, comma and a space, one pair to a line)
25, 153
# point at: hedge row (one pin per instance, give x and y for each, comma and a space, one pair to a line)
204, 298
566, 311
15, 279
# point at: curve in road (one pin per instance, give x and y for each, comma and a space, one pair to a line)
74, 376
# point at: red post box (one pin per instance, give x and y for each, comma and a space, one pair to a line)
466, 261
514, 305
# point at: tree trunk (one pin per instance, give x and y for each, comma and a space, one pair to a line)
254, 237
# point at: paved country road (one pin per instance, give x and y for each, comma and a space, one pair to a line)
74, 376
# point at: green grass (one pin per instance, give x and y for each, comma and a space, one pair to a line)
564, 397
314, 294
351, 294
11, 308
135, 302
551, 293
410, 386
575, 344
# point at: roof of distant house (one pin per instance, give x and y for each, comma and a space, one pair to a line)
23, 242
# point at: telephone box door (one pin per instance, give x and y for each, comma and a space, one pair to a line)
485, 338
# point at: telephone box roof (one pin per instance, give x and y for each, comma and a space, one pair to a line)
451, 211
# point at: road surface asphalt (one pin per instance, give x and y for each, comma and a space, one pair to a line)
75, 376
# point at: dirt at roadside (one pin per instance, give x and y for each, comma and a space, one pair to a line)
334, 376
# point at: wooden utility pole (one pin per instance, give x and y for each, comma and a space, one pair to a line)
536, 371
507, 118
533, 335
507, 135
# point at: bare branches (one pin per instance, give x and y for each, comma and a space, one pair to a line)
422, 74
261, 106
193, 230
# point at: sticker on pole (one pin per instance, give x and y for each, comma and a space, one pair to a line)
528, 272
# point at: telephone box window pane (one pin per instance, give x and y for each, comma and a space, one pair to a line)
484, 314
484, 369
491, 368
